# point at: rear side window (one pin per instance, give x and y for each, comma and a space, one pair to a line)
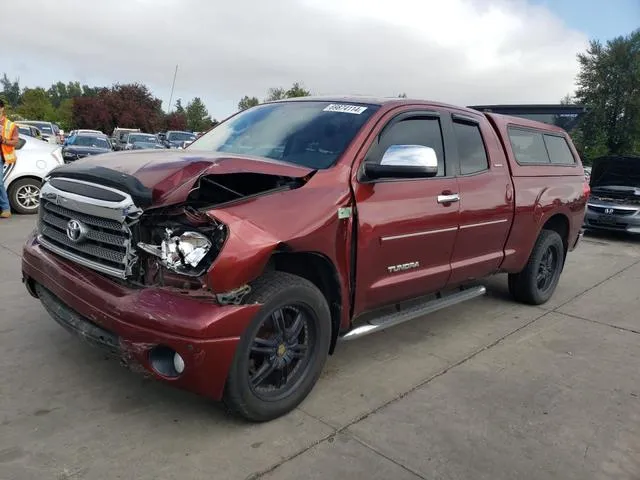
528, 146
413, 131
471, 151
558, 150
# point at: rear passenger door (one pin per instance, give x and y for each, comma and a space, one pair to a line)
486, 199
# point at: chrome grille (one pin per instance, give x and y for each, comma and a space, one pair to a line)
615, 210
92, 232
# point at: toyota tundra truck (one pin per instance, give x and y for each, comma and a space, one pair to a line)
234, 267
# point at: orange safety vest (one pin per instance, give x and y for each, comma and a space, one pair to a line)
8, 151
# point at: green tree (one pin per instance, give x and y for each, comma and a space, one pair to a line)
279, 93
609, 88
274, 94
57, 93
64, 114
198, 118
247, 102
88, 91
35, 105
10, 91
179, 108
297, 90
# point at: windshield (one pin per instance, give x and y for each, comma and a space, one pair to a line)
141, 138
309, 133
42, 126
180, 137
122, 135
88, 141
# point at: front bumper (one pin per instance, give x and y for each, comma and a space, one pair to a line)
612, 222
130, 323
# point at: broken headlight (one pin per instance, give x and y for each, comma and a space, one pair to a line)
180, 253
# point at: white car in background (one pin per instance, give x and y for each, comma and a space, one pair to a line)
35, 159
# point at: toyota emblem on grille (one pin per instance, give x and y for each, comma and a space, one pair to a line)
608, 211
76, 231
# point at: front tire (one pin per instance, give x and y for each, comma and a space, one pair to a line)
538, 281
283, 350
24, 195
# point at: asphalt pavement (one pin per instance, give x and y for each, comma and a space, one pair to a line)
489, 389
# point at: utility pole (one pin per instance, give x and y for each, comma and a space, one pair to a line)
172, 87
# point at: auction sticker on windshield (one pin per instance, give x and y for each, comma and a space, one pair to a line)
337, 107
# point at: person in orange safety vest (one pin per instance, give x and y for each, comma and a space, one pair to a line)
9, 137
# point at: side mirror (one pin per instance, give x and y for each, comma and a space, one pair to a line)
404, 161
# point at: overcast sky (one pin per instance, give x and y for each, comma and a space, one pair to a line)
459, 51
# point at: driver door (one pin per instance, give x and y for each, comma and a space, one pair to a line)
407, 227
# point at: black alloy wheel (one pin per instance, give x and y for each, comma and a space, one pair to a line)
283, 349
537, 282
547, 268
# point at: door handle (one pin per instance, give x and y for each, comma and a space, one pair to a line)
454, 197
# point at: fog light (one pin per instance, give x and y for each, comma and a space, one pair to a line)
178, 362
166, 361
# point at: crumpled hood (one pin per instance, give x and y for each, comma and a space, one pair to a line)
158, 178
616, 170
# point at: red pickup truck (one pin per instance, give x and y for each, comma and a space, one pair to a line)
233, 268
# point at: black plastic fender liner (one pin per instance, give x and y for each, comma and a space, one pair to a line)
141, 195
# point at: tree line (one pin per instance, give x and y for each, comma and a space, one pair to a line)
73, 105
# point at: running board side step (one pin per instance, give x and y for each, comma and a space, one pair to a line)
396, 318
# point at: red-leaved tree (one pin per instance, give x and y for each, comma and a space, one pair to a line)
128, 106
176, 121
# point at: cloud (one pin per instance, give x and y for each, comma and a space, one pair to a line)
463, 52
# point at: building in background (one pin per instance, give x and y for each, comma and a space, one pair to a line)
564, 116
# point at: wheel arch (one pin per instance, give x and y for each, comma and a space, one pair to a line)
559, 223
23, 177
319, 270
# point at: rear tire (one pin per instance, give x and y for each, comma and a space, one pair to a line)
538, 281
282, 352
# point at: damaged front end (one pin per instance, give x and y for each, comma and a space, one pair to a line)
117, 230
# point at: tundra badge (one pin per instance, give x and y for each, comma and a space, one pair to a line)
402, 267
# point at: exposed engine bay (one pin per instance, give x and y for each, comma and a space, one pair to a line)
215, 190
620, 194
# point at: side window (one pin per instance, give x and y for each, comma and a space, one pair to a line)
528, 146
471, 151
412, 131
558, 150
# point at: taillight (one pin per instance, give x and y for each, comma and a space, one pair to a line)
586, 189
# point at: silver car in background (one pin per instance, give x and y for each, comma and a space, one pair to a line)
35, 159
49, 130
614, 203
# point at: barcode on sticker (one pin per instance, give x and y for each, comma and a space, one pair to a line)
337, 107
